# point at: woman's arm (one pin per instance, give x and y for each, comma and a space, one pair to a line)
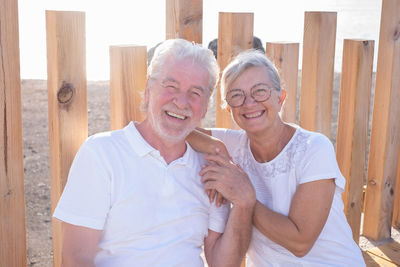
308, 213
202, 141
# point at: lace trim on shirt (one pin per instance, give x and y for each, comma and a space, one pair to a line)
281, 164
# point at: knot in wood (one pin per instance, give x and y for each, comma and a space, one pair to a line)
65, 93
372, 182
396, 34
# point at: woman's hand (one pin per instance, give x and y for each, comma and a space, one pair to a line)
228, 179
212, 193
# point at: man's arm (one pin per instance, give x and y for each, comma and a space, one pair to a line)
79, 245
229, 248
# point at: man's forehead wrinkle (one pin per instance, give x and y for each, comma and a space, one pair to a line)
170, 79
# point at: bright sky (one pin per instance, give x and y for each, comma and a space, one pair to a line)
142, 22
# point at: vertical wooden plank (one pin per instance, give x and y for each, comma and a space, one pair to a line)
352, 135
317, 71
127, 83
235, 34
12, 203
396, 208
285, 56
385, 133
67, 96
184, 19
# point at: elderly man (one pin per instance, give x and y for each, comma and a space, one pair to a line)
134, 196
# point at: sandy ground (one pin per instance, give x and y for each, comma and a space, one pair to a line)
36, 159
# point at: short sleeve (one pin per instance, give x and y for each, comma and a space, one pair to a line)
319, 162
218, 217
85, 200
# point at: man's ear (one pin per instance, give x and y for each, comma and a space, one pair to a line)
204, 111
146, 94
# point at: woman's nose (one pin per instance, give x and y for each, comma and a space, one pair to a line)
249, 100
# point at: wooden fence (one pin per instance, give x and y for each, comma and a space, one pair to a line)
67, 104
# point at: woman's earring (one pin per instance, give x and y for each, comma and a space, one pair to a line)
228, 109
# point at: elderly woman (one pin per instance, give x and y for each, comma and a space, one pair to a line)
298, 219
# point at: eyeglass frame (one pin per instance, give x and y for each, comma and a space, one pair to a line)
252, 89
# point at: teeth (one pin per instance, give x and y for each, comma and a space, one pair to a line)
176, 115
253, 115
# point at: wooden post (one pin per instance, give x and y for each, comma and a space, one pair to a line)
317, 71
352, 135
385, 133
12, 203
127, 83
184, 19
396, 209
235, 34
285, 56
66, 84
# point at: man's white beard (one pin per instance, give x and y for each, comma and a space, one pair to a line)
165, 132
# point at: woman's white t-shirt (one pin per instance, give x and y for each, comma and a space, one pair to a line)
308, 157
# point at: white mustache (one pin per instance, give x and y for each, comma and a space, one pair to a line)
174, 109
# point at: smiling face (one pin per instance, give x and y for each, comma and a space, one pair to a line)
177, 99
252, 116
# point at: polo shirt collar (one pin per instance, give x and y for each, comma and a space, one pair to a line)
136, 140
142, 148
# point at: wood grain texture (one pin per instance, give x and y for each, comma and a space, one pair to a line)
12, 196
371, 260
285, 57
396, 207
67, 97
127, 84
353, 123
385, 133
389, 252
184, 19
235, 34
317, 71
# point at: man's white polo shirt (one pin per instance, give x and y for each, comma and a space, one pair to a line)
151, 213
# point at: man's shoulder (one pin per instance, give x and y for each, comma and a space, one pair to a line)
196, 159
106, 142
103, 138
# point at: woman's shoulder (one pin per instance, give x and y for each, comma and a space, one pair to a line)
313, 139
308, 143
234, 140
229, 134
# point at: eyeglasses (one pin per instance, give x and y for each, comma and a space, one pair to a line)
236, 97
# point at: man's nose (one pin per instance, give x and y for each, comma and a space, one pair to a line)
181, 100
